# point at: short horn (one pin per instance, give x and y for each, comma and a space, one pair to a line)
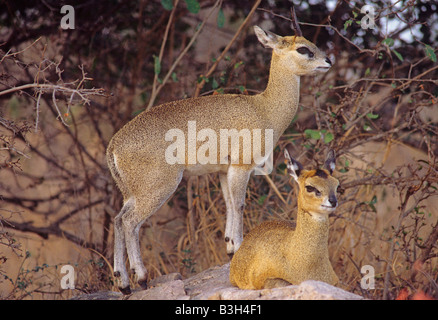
294, 24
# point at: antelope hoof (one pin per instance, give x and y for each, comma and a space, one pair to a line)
125, 291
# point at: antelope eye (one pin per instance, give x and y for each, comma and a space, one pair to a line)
304, 50
311, 189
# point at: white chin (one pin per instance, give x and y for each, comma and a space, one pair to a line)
322, 69
328, 209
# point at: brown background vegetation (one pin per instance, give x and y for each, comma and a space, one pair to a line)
64, 93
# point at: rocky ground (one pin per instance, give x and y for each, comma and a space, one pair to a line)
213, 284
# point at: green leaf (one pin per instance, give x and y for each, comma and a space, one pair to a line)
430, 52
167, 4
238, 64
328, 137
157, 65
398, 55
262, 199
347, 23
174, 77
389, 41
144, 97
372, 203
367, 72
193, 6
220, 18
203, 78
312, 134
214, 84
372, 116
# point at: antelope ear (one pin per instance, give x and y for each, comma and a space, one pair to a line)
294, 167
330, 161
266, 38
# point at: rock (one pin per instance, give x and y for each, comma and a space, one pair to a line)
172, 290
101, 295
165, 278
208, 283
214, 284
317, 290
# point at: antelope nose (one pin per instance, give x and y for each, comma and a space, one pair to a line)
328, 61
333, 201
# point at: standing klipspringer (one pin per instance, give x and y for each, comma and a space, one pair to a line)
136, 153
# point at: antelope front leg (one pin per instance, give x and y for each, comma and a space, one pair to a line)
234, 189
229, 217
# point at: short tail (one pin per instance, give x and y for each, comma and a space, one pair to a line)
112, 166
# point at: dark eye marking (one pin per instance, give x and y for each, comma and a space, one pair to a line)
305, 50
313, 189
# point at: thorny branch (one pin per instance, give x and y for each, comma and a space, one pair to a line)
40, 89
